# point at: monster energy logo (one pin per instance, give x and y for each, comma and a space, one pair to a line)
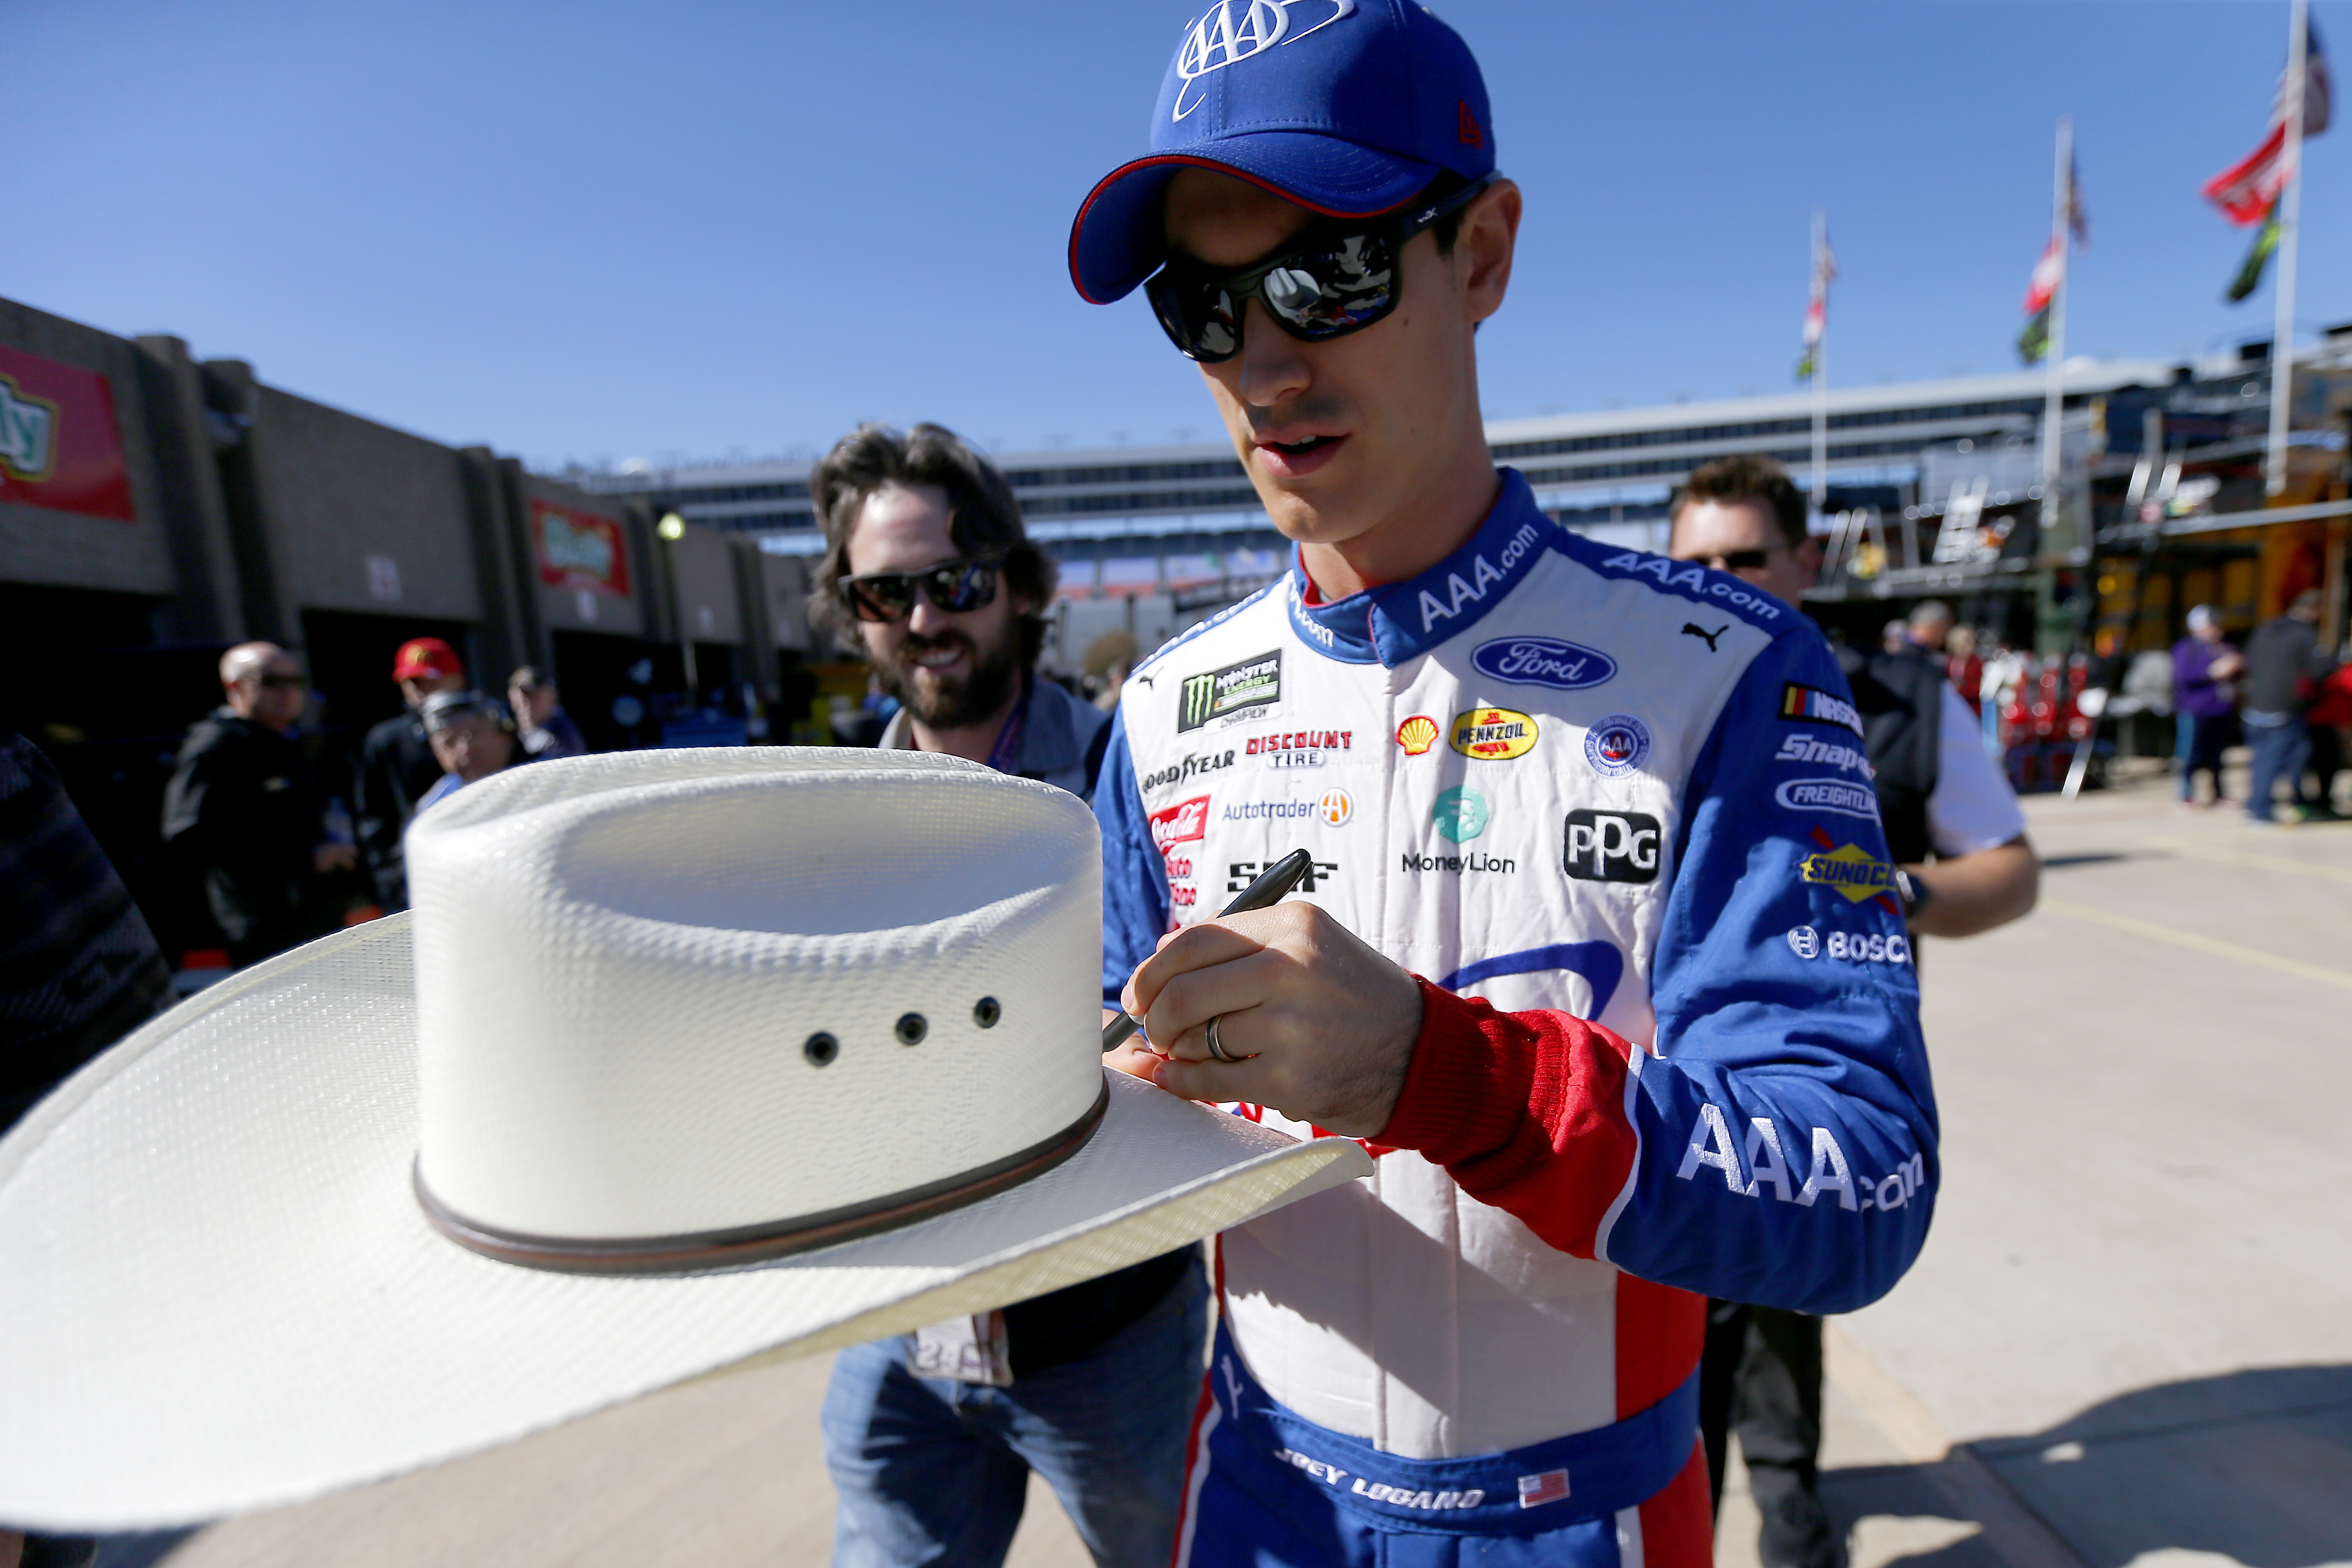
1219, 694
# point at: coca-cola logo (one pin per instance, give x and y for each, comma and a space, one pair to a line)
1543, 661
1179, 823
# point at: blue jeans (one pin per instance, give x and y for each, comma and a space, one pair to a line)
2282, 745
931, 1470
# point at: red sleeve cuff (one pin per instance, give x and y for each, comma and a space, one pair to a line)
1526, 1111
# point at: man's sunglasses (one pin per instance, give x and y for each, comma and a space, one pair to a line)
1336, 281
1733, 560
952, 585
281, 683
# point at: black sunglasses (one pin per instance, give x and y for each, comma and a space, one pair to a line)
282, 683
1733, 560
952, 585
1336, 281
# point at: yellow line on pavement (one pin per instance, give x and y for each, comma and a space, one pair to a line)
2195, 943
2261, 862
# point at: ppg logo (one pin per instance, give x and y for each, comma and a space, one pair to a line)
1612, 846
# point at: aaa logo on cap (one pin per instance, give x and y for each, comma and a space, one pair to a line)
1617, 745
1334, 807
1417, 733
1493, 734
1460, 813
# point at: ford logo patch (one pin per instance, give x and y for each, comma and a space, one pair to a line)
1543, 661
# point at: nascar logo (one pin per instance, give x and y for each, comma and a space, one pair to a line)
1801, 703
1493, 734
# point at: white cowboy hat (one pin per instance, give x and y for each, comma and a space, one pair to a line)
684, 1059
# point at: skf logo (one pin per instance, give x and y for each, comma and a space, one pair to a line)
1801, 704
1493, 734
1851, 870
1612, 846
1239, 875
1417, 733
1334, 807
1179, 823
1223, 693
29, 433
1226, 35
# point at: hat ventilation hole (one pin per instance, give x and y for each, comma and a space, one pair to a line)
987, 1011
911, 1028
820, 1049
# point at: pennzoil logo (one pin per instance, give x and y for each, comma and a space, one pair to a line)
1221, 694
1850, 870
29, 433
1493, 734
1417, 733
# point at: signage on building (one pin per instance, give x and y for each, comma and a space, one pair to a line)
580, 549
59, 444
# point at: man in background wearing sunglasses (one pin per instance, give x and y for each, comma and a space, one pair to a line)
931, 1437
1955, 830
1623, 1023
245, 811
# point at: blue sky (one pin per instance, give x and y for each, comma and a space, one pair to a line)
600, 230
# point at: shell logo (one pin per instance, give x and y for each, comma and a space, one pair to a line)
1493, 734
1417, 733
1334, 807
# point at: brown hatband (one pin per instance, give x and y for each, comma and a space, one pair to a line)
758, 1243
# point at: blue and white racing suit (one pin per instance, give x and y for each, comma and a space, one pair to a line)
1613, 810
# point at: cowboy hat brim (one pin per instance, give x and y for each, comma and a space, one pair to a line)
219, 1292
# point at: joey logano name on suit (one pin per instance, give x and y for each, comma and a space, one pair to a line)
1331, 1474
1766, 1165
1195, 764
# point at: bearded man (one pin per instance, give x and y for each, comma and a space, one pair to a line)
930, 1437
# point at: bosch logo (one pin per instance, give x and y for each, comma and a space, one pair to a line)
1612, 846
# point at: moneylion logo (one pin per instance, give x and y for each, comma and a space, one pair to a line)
1228, 34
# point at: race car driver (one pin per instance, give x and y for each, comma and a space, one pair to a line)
1618, 999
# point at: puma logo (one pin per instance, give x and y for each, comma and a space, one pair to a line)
1703, 634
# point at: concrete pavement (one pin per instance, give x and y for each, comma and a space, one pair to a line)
2129, 1339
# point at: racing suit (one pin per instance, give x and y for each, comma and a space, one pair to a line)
1613, 810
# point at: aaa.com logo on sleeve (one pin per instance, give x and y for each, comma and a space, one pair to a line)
1179, 823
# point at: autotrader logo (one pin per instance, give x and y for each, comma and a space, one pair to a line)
1612, 846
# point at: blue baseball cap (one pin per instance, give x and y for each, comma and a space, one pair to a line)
1349, 107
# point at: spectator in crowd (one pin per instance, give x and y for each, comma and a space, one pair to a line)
397, 765
79, 971
1964, 667
543, 729
244, 810
472, 738
1106, 663
2284, 665
929, 568
2204, 701
1953, 828
2327, 719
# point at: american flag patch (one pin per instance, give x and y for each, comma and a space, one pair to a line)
1536, 1490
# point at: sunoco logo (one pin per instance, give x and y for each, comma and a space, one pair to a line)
1543, 661
1829, 795
1493, 734
1851, 870
1235, 689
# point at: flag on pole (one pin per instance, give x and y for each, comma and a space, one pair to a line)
2248, 190
2250, 271
1817, 306
2049, 272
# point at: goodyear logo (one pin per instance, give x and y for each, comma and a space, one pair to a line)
1851, 870
1493, 734
1220, 694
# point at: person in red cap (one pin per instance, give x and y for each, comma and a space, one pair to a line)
397, 765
